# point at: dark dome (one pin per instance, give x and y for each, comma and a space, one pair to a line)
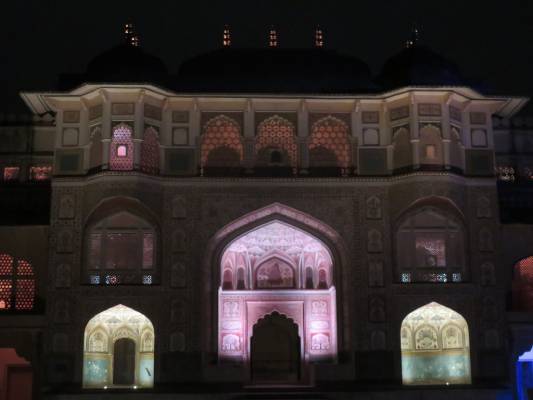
274, 70
126, 63
419, 66
121, 64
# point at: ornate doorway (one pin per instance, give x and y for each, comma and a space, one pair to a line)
275, 350
118, 350
124, 362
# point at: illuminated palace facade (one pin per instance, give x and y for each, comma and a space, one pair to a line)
266, 220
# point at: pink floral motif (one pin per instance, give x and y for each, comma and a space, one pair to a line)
331, 134
279, 133
221, 134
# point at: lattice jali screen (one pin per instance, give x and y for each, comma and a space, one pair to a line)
221, 132
150, 152
332, 134
121, 149
524, 270
279, 133
17, 286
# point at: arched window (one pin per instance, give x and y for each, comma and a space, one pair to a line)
430, 247
121, 249
523, 285
435, 347
121, 149
221, 143
276, 134
118, 350
402, 152
430, 146
17, 284
330, 136
150, 152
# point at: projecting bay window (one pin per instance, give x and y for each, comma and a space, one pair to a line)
430, 248
121, 250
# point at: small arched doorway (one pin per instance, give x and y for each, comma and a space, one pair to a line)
435, 347
275, 350
124, 362
118, 350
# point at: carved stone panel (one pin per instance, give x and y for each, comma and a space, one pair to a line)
488, 275
375, 273
178, 275
64, 241
373, 208
66, 206
486, 242
374, 242
63, 276
376, 309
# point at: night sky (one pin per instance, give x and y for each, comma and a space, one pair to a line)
490, 40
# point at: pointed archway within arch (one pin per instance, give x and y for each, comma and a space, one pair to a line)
118, 350
275, 267
275, 350
435, 347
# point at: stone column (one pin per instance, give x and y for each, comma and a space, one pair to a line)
414, 128
303, 137
446, 133
138, 131
249, 137
106, 130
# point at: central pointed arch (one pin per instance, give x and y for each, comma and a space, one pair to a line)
235, 299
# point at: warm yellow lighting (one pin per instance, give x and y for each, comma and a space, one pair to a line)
273, 37
319, 37
226, 37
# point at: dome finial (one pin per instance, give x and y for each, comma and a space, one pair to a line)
130, 36
319, 37
413, 38
272, 37
226, 36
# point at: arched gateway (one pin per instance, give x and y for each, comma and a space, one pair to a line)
277, 301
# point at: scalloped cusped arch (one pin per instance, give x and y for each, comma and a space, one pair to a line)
435, 347
118, 350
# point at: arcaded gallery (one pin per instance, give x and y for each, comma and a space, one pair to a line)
324, 232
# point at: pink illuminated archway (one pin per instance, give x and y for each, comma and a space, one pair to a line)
277, 259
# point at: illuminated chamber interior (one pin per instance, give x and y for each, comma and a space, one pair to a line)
277, 279
435, 347
118, 350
